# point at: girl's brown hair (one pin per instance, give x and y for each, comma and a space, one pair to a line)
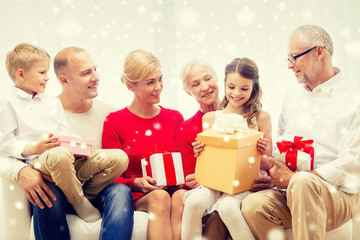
246, 68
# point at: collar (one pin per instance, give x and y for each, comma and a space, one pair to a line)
24, 95
329, 85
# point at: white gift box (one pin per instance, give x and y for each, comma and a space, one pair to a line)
302, 153
165, 168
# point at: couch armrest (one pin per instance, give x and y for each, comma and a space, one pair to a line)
15, 211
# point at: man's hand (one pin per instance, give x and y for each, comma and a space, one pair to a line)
190, 181
280, 174
32, 183
145, 184
261, 183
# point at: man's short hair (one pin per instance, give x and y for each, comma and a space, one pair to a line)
61, 60
24, 56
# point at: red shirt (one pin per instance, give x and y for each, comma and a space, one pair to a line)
185, 136
138, 136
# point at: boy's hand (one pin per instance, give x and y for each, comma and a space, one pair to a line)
32, 183
46, 143
280, 174
198, 147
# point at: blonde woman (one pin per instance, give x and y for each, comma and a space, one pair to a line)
144, 127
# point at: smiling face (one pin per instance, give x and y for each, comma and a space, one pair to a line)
307, 67
34, 79
202, 85
149, 89
237, 90
82, 76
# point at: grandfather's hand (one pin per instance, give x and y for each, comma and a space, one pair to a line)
280, 174
261, 183
35, 188
190, 181
145, 184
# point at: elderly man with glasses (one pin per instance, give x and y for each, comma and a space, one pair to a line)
327, 110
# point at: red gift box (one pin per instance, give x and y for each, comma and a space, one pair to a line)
165, 168
298, 155
80, 147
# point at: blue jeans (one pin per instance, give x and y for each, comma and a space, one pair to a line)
115, 203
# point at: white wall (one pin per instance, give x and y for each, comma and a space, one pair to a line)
174, 30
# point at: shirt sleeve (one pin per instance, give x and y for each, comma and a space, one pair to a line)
185, 148
9, 144
346, 168
10, 167
110, 135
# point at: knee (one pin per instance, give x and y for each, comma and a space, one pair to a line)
197, 201
301, 183
228, 206
60, 157
117, 191
252, 205
117, 160
177, 204
159, 201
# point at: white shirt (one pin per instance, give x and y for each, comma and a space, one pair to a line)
25, 120
90, 124
330, 115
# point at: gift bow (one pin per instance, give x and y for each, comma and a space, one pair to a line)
291, 149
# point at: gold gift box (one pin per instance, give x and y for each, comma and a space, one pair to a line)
229, 162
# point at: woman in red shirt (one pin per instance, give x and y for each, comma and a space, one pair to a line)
141, 128
199, 81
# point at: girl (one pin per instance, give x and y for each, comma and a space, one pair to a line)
242, 96
140, 128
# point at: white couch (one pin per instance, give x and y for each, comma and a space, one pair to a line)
15, 220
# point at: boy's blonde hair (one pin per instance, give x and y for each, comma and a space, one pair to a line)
23, 57
138, 64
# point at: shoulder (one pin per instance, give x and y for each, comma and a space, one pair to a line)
208, 119
122, 113
263, 116
194, 120
171, 113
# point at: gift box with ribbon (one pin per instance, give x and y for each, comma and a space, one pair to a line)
165, 168
297, 154
80, 147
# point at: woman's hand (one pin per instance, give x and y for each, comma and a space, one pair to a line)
145, 184
190, 181
198, 147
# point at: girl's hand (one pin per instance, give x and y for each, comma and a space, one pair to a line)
190, 181
145, 184
198, 147
262, 145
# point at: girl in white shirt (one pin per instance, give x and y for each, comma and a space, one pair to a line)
242, 96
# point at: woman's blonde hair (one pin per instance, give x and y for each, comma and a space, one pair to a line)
246, 68
138, 64
24, 56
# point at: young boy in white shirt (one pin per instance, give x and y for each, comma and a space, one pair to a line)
30, 123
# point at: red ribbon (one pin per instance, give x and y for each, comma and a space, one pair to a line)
169, 167
291, 151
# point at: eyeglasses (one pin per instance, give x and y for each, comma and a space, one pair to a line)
292, 59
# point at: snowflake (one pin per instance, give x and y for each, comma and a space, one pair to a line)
151, 216
12, 187
19, 205
141, 9
226, 139
102, 155
251, 160
72, 144
276, 234
246, 16
148, 133
206, 125
37, 165
83, 146
236, 183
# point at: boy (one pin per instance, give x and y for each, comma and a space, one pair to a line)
30, 122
